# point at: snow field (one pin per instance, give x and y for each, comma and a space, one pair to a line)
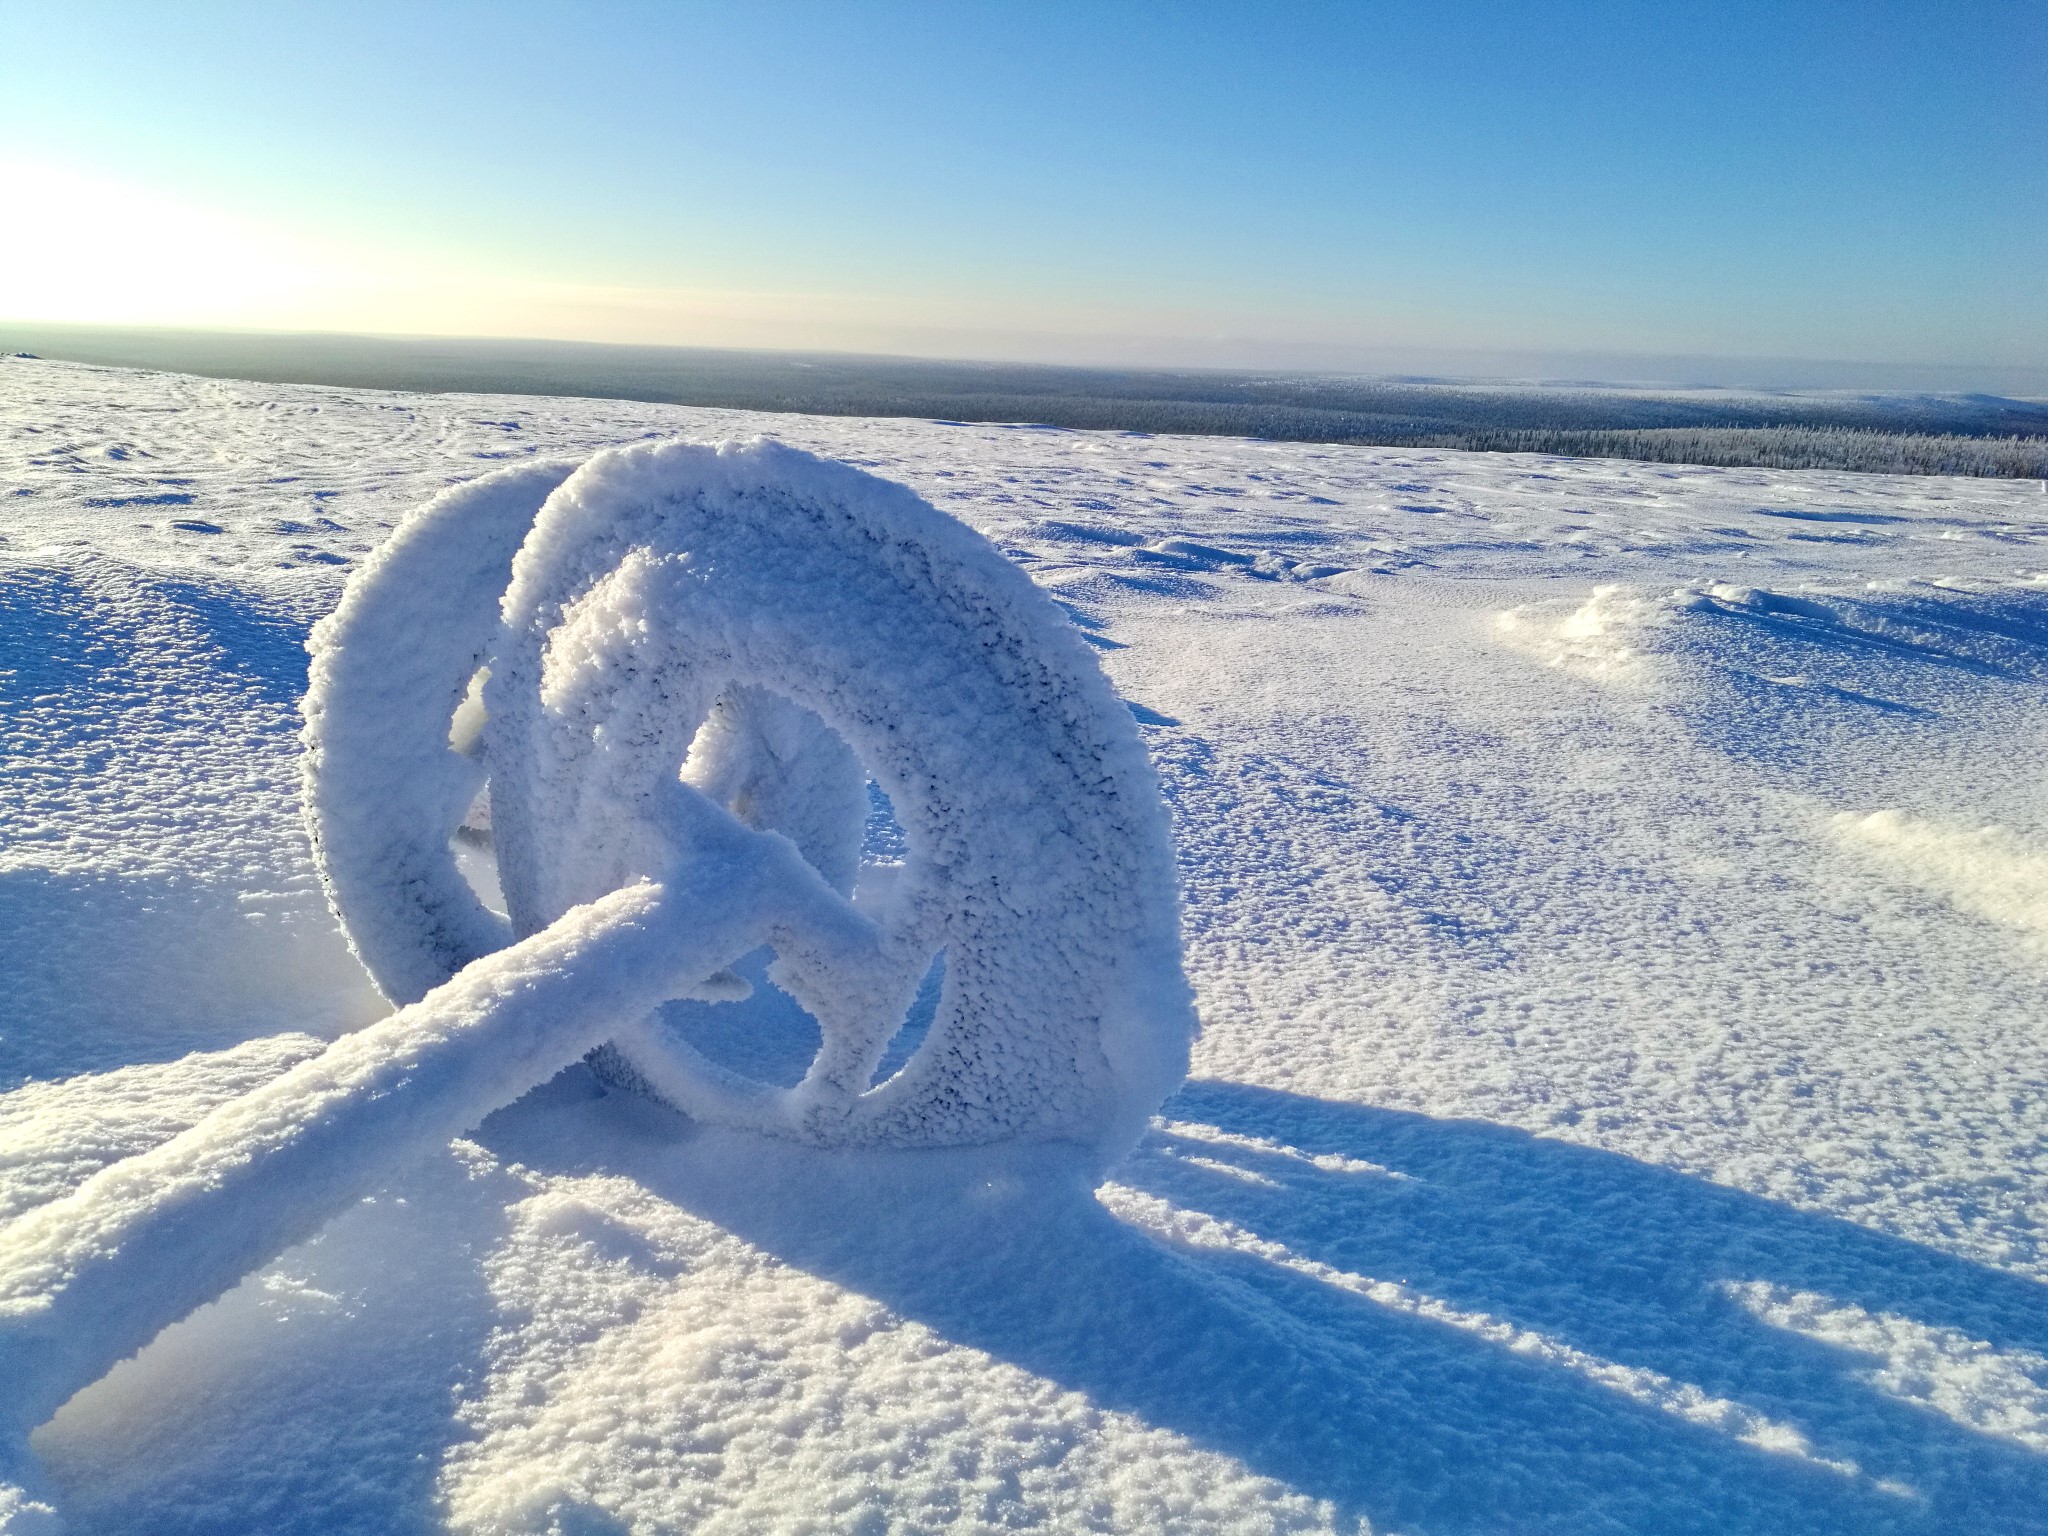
1619, 1105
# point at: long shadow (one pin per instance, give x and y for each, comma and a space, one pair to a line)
47, 640
1860, 631
106, 671
1632, 1263
1406, 1419
1912, 640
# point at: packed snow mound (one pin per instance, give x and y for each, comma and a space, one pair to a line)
764, 630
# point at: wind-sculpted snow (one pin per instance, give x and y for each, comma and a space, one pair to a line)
1613, 893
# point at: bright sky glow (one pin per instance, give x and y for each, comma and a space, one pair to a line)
1297, 183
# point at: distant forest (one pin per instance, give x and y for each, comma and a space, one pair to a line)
1939, 434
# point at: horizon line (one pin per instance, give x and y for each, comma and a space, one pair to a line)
1423, 362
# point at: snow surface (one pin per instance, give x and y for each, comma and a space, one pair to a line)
1614, 898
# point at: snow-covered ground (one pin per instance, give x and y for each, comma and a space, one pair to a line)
1617, 897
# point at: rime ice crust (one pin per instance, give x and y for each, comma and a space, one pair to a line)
759, 612
391, 664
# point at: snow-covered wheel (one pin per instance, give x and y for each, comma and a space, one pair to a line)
702, 654
748, 631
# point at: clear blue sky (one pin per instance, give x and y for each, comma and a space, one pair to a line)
1231, 183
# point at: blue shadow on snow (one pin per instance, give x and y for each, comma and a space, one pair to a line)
1390, 1414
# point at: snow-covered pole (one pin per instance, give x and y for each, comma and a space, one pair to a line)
89, 1279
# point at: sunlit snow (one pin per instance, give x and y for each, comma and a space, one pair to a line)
1614, 899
